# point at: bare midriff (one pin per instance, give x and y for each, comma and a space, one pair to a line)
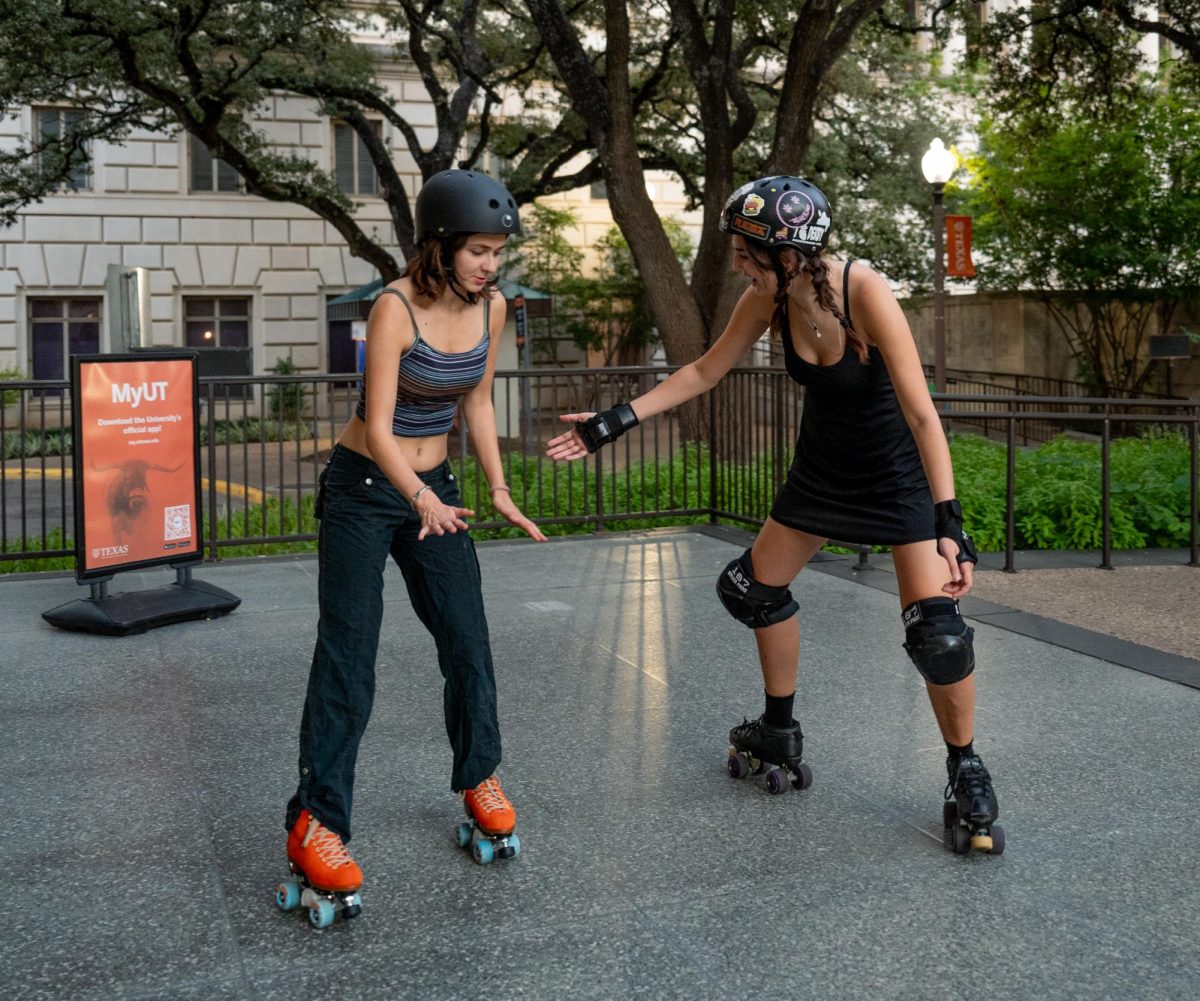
423, 454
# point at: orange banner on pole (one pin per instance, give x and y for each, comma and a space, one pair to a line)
958, 247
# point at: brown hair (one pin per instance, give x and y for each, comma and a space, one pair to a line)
772, 258
432, 266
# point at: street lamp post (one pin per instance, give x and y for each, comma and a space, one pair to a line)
938, 165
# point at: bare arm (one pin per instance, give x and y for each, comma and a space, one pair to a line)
751, 316
389, 335
480, 413
884, 322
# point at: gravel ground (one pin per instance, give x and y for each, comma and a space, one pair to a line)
1156, 606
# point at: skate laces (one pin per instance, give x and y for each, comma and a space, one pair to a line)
488, 796
747, 726
974, 777
327, 844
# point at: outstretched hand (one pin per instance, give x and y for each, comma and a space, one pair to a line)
508, 510
961, 574
438, 518
569, 445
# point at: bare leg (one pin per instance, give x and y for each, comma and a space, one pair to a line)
779, 553
921, 572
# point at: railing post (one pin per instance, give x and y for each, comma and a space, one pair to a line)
1195, 475
1010, 493
1105, 491
712, 456
210, 423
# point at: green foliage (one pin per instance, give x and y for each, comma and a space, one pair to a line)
1058, 503
286, 401
34, 443
1106, 262
9, 396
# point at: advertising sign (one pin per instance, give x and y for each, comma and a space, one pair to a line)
137, 461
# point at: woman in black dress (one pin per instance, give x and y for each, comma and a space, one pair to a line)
872, 466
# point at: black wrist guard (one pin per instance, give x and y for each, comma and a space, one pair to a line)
948, 523
606, 426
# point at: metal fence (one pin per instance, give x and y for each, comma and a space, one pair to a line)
265, 438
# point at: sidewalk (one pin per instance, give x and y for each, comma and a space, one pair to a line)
145, 779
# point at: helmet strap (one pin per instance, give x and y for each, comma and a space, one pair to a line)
470, 298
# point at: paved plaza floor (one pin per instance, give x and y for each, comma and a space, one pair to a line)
144, 780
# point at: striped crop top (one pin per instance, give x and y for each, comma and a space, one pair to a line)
431, 382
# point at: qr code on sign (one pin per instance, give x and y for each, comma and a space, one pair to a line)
177, 522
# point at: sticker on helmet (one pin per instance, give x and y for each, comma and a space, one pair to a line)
754, 229
795, 209
752, 205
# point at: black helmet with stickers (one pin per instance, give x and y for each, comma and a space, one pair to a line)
780, 211
464, 201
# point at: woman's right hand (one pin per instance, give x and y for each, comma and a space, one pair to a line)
569, 445
438, 518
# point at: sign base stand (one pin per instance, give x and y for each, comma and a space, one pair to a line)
137, 611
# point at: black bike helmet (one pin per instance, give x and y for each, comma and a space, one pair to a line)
779, 211
464, 201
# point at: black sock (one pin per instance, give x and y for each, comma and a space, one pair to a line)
965, 751
779, 709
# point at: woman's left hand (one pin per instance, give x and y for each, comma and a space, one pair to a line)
505, 507
961, 574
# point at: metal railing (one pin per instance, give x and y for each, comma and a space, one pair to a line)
264, 440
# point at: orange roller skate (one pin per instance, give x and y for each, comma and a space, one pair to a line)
325, 879
494, 818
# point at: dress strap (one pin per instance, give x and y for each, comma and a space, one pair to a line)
487, 316
411, 315
846, 295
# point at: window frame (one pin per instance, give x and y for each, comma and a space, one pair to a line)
69, 184
358, 149
216, 164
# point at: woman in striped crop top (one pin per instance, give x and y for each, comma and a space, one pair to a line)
387, 490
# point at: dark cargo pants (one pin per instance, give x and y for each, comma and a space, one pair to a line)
363, 520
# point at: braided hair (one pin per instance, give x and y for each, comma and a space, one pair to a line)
818, 268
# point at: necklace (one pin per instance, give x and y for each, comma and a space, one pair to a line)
812, 323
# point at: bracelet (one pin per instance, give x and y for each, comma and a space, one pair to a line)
418, 494
492, 490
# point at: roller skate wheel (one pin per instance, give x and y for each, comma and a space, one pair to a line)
960, 839
287, 895
353, 908
738, 764
321, 914
483, 852
462, 835
778, 781
949, 813
802, 777
515, 844
997, 840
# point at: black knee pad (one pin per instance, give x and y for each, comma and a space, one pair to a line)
939, 642
751, 603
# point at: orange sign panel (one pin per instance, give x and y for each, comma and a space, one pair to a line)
958, 243
135, 458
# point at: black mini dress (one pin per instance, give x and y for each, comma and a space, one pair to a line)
857, 475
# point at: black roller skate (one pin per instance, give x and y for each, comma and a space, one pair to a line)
757, 744
970, 810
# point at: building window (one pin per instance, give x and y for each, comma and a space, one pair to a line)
209, 173
352, 166
52, 126
58, 329
599, 191
216, 323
